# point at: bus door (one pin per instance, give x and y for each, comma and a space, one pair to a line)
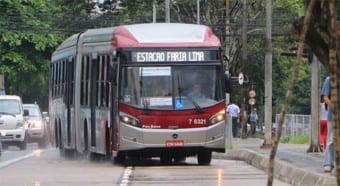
69, 95
113, 68
93, 95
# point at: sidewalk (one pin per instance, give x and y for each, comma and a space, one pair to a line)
292, 162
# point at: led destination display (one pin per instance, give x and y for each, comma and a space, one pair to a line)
170, 56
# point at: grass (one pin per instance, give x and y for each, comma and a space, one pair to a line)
304, 139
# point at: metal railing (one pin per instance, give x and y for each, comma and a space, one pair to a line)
295, 124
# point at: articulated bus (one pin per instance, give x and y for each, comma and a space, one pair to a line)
124, 92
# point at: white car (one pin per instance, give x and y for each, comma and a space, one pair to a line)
12, 122
36, 125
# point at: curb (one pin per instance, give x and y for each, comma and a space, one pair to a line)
283, 171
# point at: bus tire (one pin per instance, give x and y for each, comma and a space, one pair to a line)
165, 159
178, 159
120, 159
204, 157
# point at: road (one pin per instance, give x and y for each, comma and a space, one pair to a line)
36, 167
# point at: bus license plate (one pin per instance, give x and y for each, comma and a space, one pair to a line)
174, 143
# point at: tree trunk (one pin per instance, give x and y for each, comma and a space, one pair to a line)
322, 38
289, 94
335, 77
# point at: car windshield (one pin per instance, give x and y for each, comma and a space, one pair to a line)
182, 87
33, 111
10, 106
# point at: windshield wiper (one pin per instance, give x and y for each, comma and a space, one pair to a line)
179, 88
198, 108
6, 113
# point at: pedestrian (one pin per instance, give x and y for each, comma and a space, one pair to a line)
323, 125
253, 118
328, 163
234, 111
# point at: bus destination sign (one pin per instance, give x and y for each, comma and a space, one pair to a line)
170, 56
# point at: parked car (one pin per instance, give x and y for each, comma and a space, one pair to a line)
12, 122
36, 125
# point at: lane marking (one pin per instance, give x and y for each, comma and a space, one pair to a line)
15, 160
126, 176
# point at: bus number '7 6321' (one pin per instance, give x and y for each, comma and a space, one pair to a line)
197, 121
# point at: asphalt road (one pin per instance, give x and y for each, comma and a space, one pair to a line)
44, 167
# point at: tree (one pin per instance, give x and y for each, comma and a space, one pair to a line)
320, 30
289, 93
26, 43
323, 39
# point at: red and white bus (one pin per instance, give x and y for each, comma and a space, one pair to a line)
124, 92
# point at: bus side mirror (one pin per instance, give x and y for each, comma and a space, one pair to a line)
228, 84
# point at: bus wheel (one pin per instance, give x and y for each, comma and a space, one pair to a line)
95, 157
204, 157
165, 159
67, 153
119, 159
178, 159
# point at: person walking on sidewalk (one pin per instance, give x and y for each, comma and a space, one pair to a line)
234, 112
253, 118
323, 125
328, 163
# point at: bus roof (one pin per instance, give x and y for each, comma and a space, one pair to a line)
144, 35
165, 35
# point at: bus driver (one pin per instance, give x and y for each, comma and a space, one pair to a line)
196, 92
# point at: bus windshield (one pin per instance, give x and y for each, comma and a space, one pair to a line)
171, 87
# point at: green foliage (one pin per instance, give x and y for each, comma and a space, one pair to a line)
296, 5
26, 45
31, 29
304, 139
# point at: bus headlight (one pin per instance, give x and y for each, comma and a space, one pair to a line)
220, 116
128, 119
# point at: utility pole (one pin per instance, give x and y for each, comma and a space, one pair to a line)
198, 11
244, 61
2, 85
268, 77
154, 15
167, 11
229, 137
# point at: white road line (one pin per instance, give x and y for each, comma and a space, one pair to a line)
126, 176
14, 160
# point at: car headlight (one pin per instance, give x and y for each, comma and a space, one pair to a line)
220, 116
37, 124
19, 124
128, 119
